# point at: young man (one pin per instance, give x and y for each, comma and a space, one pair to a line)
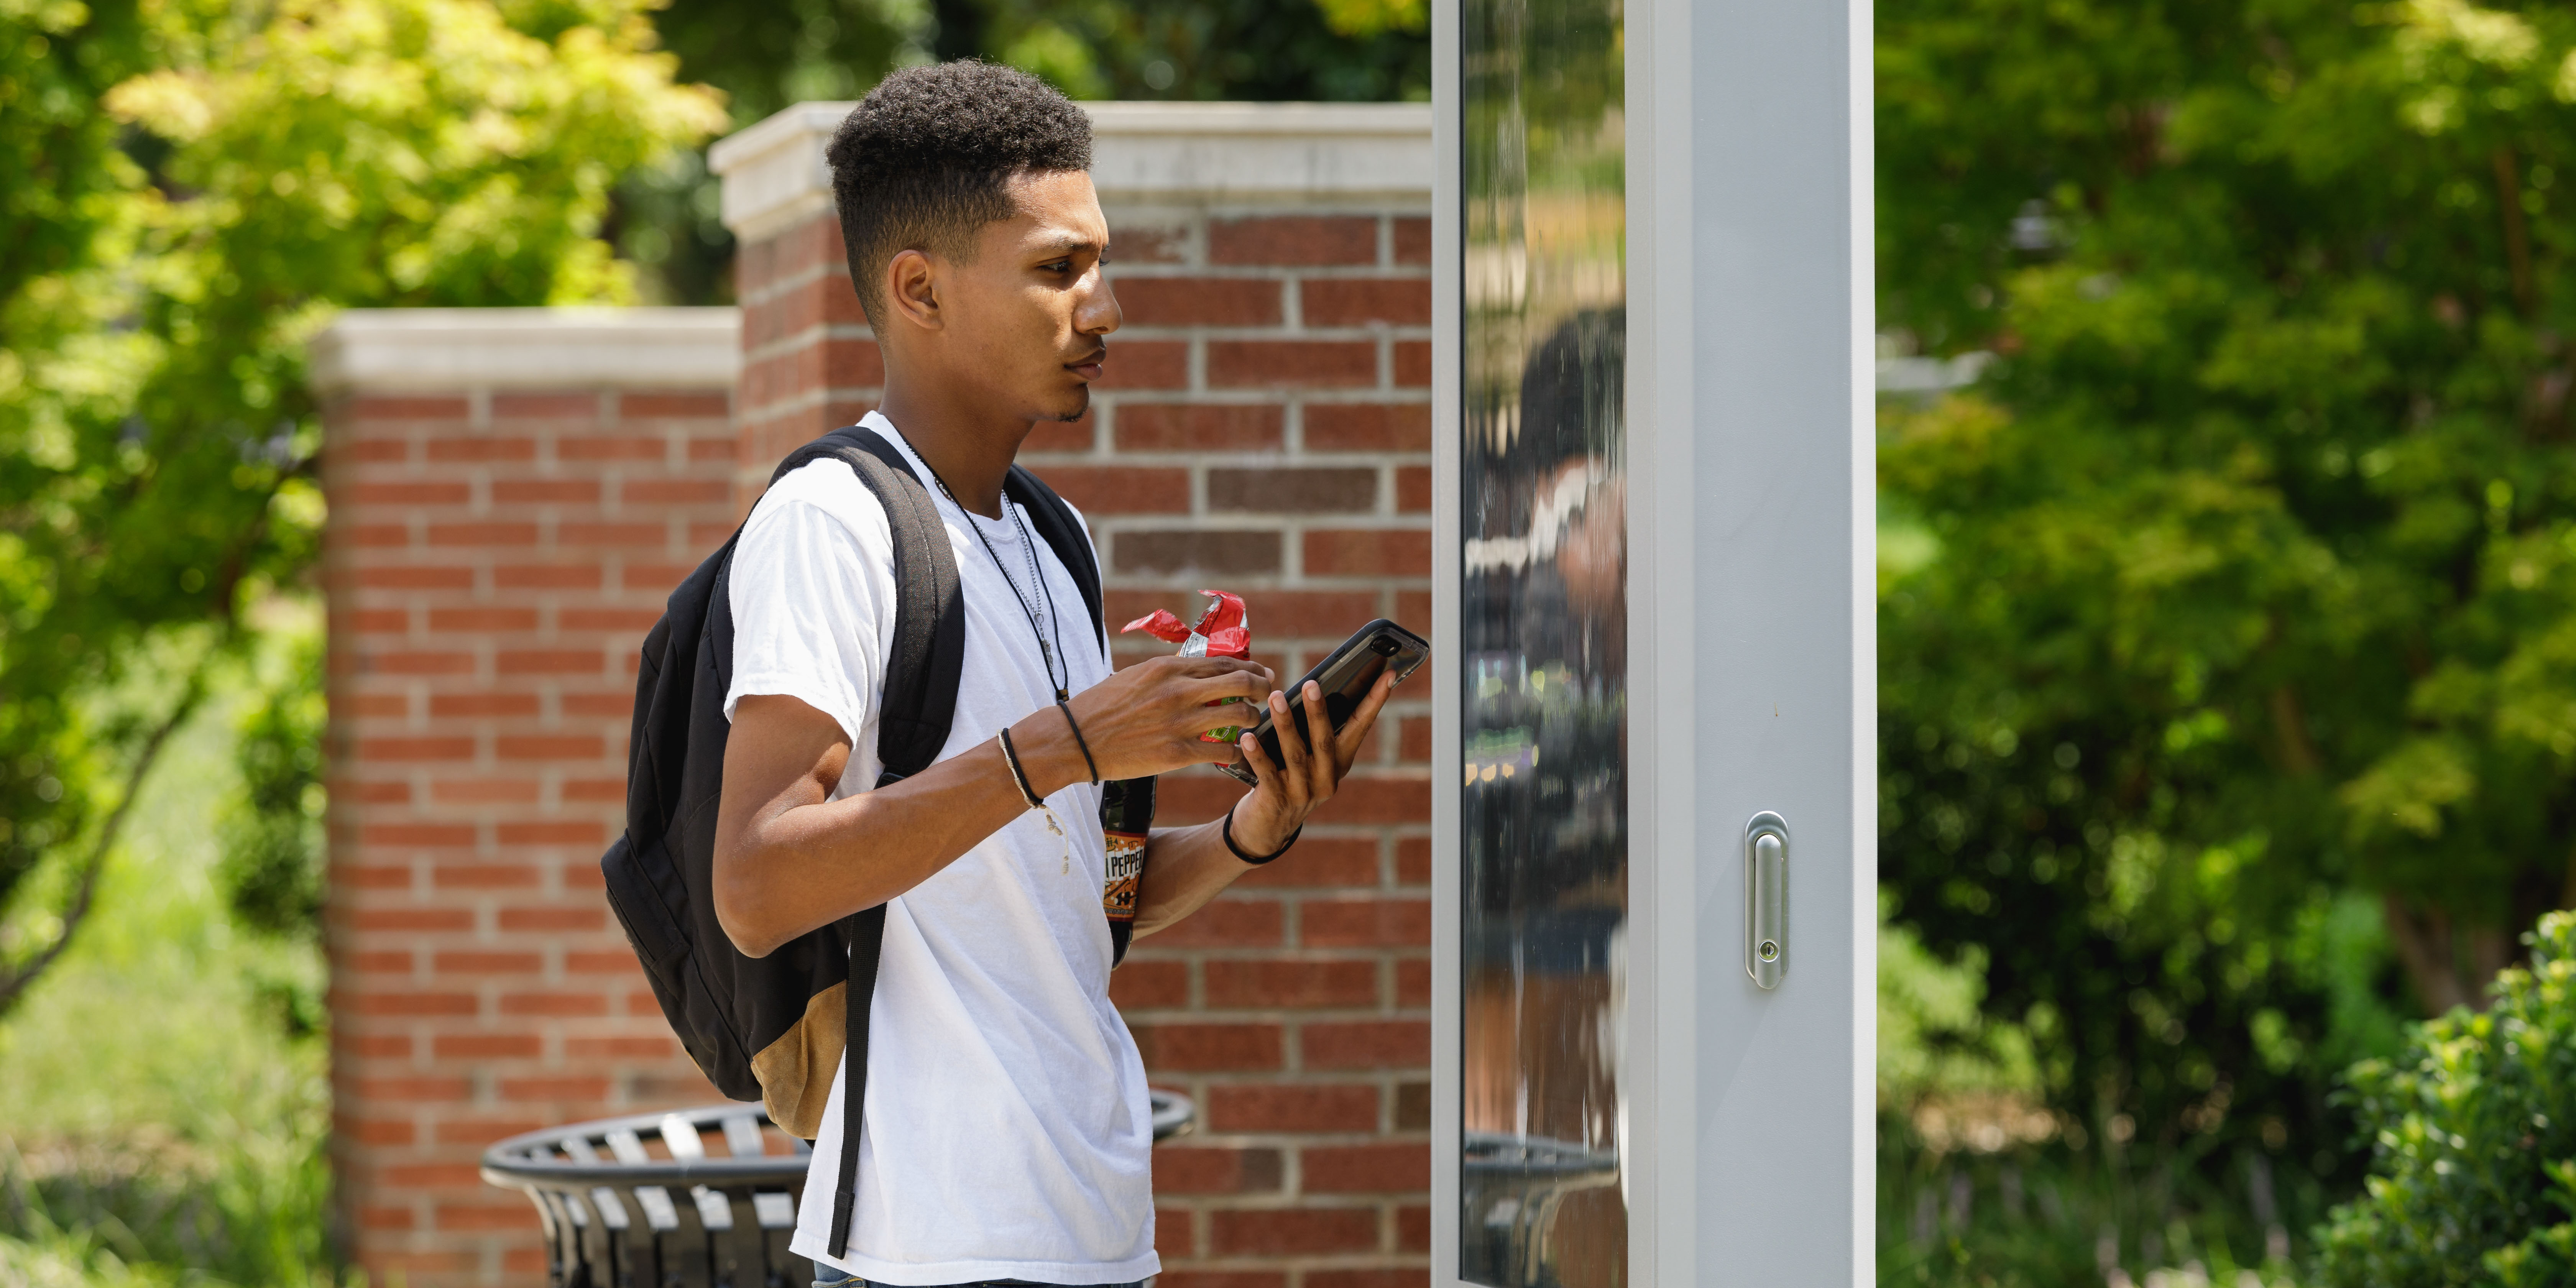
1006, 1132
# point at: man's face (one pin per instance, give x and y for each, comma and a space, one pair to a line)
1027, 316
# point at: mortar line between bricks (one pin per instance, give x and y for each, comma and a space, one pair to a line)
793, 342
796, 279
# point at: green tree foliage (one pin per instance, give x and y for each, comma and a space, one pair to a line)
2244, 574
792, 51
203, 185
1331, 50
272, 856
57, 158
2473, 1171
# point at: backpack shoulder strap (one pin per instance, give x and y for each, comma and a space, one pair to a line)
1063, 533
930, 615
919, 704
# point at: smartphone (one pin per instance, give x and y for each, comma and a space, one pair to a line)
1345, 675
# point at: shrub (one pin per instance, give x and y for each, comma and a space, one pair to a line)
2473, 1138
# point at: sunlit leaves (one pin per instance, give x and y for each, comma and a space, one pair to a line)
243, 173
2471, 1135
2406, 791
1369, 17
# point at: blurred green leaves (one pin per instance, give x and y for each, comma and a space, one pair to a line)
1933, 1038
197, 187
2236, 595
1215, 49
271, 840
1371, 17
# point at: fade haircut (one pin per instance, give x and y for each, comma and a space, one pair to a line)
925, 160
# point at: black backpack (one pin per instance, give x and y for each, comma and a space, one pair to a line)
774, 1029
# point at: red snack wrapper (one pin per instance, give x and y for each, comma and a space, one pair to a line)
1222, 631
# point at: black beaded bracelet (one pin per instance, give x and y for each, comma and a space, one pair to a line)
1011, 757
1080, 741
1226, 830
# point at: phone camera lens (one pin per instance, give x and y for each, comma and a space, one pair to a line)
1382, 646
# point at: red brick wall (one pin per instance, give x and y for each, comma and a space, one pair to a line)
492, 561
1264, 427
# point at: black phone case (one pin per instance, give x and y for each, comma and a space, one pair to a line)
1345, 675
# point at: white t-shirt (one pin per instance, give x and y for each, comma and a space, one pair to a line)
1007, 1131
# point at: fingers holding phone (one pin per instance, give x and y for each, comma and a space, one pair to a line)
1310, 768
1346, 743
1345, 679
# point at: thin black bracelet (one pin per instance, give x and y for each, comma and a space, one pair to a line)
1093, 765
1227, 831
1011, 757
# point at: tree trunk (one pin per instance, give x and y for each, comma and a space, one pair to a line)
15, 977
2517, 237
2290, 720
2450, 965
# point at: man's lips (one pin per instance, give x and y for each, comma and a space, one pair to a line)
1089, 368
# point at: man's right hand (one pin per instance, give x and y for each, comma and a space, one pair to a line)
1144, 720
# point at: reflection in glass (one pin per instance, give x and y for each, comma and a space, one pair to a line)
1545, 848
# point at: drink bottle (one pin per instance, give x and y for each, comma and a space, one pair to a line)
1126, 820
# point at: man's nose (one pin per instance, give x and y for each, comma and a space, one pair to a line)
1098, 313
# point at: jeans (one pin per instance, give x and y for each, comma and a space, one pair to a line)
829, 1277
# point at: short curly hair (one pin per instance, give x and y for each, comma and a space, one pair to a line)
923, 162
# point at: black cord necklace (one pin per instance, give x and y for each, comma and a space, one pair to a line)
1029, 547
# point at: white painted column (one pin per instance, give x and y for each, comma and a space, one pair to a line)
1752, 569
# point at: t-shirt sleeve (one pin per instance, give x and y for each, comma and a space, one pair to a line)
811, 590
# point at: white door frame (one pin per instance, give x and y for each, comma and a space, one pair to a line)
1753, 639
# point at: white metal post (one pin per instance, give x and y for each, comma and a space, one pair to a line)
1752, 577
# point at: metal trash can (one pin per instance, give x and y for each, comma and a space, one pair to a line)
1511, 1189
641, 1202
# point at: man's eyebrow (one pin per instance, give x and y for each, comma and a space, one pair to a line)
1068, 244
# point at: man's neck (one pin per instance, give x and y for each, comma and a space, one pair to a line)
968, 448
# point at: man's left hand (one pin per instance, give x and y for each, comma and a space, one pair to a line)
1316, 764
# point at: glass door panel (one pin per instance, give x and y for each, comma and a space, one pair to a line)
1544, 846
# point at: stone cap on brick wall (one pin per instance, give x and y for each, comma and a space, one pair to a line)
775, 178
422, 350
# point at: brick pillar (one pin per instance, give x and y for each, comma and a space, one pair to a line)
512, 494
1264, 428
809, 362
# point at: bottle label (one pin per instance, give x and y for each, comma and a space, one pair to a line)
1126, 865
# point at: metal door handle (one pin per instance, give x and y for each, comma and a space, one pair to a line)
1766, 899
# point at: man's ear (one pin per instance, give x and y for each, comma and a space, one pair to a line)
912, 289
